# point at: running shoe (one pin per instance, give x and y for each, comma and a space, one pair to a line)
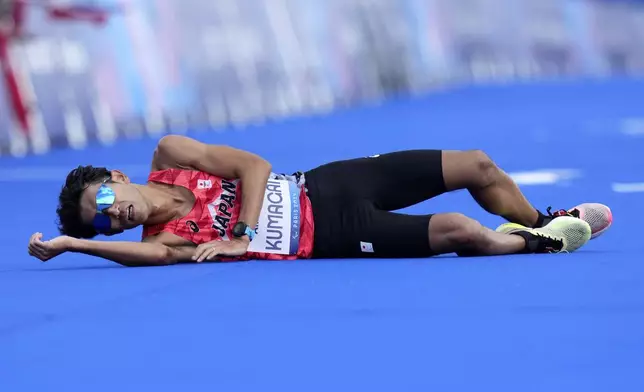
598, 216
563, 234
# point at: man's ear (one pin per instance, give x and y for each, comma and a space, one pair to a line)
120, 177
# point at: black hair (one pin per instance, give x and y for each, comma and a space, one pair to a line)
69, 212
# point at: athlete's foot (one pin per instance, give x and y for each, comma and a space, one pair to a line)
564, 234
598, 216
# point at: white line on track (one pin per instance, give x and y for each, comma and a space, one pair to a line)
628, 187
544, 176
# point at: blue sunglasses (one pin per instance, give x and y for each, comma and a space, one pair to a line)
104, 199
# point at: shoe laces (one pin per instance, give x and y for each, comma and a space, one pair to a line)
573, 213
550, 243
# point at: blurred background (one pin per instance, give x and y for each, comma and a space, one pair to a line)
552, 90
80, 72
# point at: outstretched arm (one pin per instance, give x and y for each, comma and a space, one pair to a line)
130, 254
133, 254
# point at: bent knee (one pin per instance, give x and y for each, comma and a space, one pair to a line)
454, 232
464, 231
469, 169
484, 170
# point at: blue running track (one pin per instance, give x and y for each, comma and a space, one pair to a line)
546, 323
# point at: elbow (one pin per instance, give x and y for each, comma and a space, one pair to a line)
167, 256
175, 255
156, 257
259, 165
162, 256
265, 165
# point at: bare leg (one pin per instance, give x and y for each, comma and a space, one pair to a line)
490, 186
456, 233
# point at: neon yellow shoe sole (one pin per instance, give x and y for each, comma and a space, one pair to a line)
509, 228
572, 232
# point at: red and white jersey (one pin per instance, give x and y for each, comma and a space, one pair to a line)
285, 227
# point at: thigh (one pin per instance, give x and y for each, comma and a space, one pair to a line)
389, 181
362, 231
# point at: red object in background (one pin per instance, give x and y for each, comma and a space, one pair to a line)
18, 16
79, 13
12, 86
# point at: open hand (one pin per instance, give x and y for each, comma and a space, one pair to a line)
45, 250
212, 249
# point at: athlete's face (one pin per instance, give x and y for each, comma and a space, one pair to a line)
114, 206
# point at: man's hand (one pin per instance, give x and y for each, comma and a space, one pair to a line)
45, 250
212, 249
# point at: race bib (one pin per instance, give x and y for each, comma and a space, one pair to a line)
278, 229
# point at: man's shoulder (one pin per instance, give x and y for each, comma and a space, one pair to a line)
161, 164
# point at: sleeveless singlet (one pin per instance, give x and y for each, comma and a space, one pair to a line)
285, 227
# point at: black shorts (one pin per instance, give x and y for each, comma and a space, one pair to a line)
353, 203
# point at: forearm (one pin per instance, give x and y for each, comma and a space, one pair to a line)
133, 253
254, 178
